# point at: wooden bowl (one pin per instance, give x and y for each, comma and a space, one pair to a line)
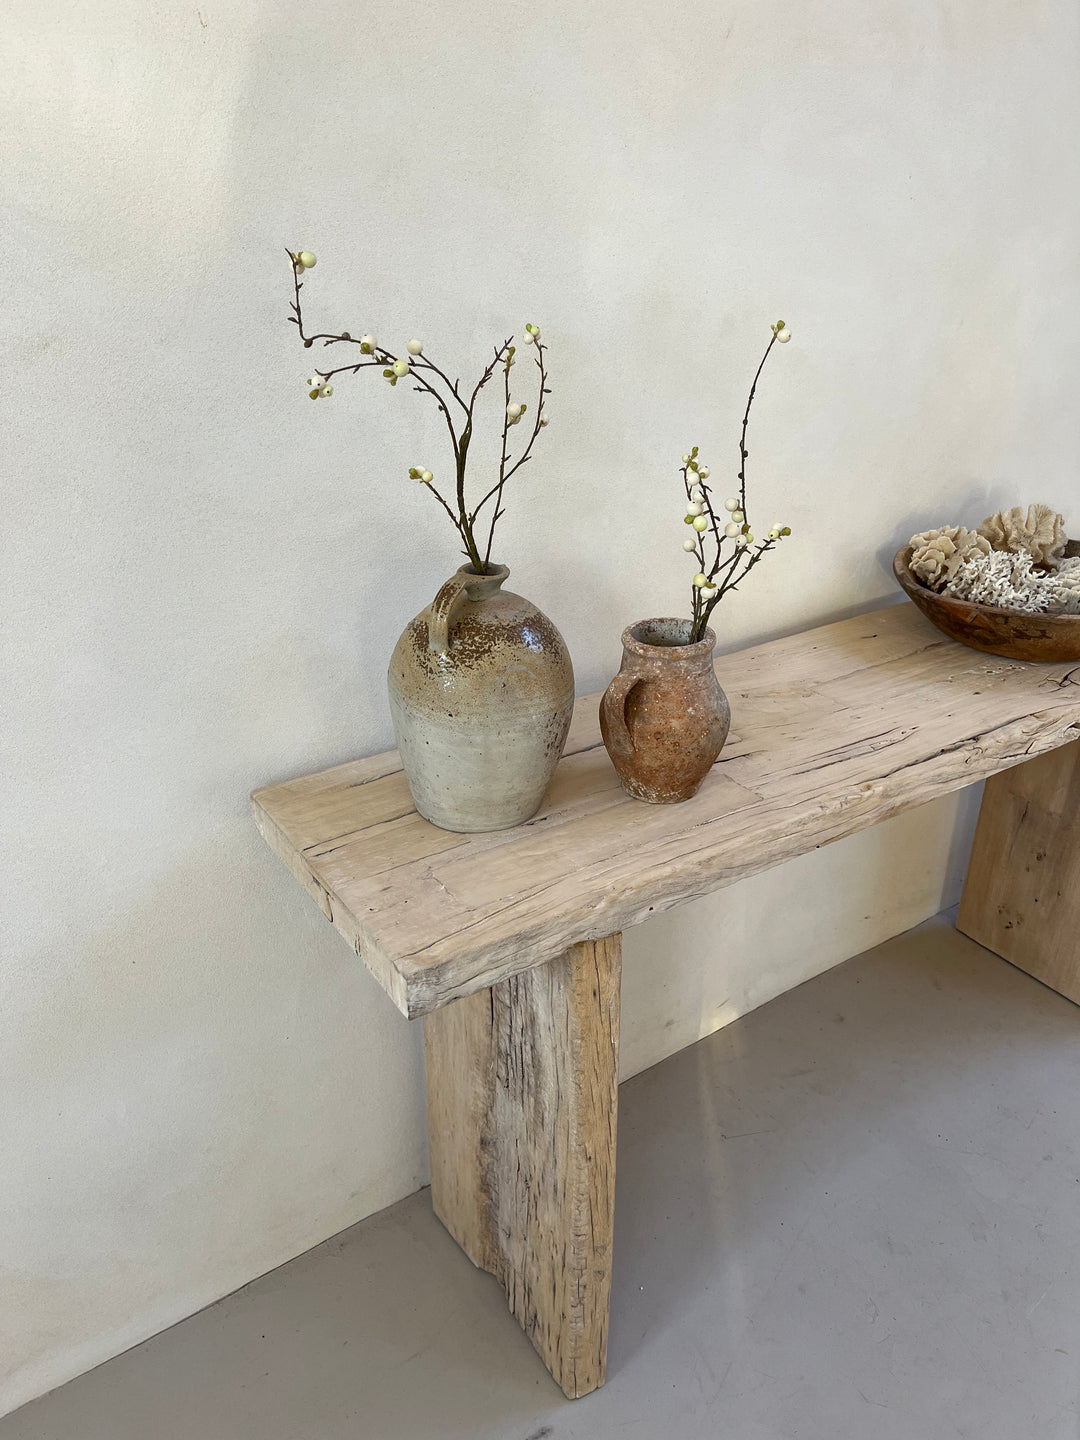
1009, 633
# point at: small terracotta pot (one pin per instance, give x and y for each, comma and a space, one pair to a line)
664, 718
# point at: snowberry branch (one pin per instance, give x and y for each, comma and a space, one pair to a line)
723, 570
449, 399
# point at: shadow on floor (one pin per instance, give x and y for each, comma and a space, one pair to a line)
852, 1213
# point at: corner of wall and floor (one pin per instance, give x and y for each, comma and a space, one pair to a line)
204, 572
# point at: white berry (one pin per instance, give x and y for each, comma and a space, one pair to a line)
701, 522
731, 529
306, 259
400, 368
731, 504
415, 347
689, 545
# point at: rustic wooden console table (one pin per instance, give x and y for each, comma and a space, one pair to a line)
509, 944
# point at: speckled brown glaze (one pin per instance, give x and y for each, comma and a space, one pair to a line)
481, 694
1015, 636
664, 718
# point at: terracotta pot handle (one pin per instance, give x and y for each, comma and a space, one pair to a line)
614, 707
444, 610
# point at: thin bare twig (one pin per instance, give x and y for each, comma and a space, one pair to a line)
420, 367
726, 567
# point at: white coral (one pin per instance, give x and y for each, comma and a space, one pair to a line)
936, 555
1041, 533
1067, 584
1011, 582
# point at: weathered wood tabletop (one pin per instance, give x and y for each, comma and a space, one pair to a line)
833, 730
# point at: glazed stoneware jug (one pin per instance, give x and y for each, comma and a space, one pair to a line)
664, 717
481, 694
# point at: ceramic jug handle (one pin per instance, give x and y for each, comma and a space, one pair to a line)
614, 703
444, 610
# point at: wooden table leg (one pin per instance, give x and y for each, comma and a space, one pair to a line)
1022, 893
521, 1084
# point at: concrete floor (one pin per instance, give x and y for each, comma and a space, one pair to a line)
851, 1215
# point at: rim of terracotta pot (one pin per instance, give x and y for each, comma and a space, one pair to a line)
646, 648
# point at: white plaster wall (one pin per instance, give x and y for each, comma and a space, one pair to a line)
204, 573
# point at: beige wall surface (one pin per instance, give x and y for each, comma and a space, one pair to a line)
204, 573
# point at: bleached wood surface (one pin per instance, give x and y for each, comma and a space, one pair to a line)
1022, 892
833, 730
521, 1083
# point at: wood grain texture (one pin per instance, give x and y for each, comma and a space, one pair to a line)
522, 1085
1022, 893
833, 730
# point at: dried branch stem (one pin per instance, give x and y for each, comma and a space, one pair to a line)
463, 519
